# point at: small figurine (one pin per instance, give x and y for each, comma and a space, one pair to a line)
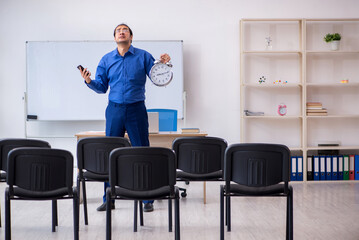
268, 45
262, 80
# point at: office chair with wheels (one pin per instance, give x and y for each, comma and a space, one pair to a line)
40, 174
199, 159
256, 170
143, 173
93, 161
8, 144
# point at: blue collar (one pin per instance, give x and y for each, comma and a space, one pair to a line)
130, 50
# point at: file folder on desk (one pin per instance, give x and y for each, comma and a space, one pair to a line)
340, 167
346, 167
310, 168
293, 172
351, 167
316, 168
322, 167
356, 167
334, 167
328, 167
299, 168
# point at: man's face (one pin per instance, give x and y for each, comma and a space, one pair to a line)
122, 35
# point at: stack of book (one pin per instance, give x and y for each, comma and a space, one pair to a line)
190, 130
316, 109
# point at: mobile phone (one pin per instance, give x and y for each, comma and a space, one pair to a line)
80, 67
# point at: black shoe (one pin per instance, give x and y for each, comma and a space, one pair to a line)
148, 207
103, 207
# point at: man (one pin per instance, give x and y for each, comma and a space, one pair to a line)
124, 70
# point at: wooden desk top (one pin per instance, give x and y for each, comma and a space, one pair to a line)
160, 134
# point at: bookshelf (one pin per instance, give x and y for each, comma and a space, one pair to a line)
309, 72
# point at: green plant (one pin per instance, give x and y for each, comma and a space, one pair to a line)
332, 37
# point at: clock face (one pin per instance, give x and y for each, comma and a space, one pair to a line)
282, 109
161, 74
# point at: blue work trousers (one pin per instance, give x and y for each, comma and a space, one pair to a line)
127, 117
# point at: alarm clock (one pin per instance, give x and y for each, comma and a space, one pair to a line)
282, 109
161, 73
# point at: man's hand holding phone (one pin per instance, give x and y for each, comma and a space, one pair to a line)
85, 73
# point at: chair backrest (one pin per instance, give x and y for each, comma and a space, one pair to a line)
257, 164
93, 153
40, 171
167, 119
142, 168
6, 145
199, 155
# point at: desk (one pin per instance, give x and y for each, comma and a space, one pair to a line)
161, 139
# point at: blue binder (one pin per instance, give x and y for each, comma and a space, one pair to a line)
328, 167
299, 168
310, 173
293, 169
322, 168
316, 168
356, 167
334, 167
340, 167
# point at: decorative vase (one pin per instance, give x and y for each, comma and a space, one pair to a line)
334, 45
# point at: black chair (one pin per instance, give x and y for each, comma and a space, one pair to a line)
93, 160
199, 159
8, 144
256, 170
143, 173
40, 174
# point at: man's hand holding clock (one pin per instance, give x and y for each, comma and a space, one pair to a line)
165, 58
161, 73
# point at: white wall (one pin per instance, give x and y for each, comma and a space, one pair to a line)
209, 29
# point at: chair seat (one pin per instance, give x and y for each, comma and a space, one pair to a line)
95, 176
199, 177
143, 195
40, 195
257, 191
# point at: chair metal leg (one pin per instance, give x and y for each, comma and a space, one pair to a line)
84, 201
76, 213
170, 215
221, 212
7, 215
289, 228
135, 216
0, 215
228, 212
108, 214
141, 212
54, 215
177, 218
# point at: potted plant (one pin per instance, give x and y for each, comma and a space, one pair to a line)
334, 39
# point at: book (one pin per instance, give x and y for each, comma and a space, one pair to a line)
317, 114
190, 130
314, 104
316, 110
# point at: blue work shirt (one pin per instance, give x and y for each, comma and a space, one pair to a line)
126, 76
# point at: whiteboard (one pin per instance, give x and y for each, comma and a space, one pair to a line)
56, 90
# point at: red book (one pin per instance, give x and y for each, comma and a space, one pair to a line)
351, 167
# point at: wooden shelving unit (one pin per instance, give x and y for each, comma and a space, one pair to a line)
299, 55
